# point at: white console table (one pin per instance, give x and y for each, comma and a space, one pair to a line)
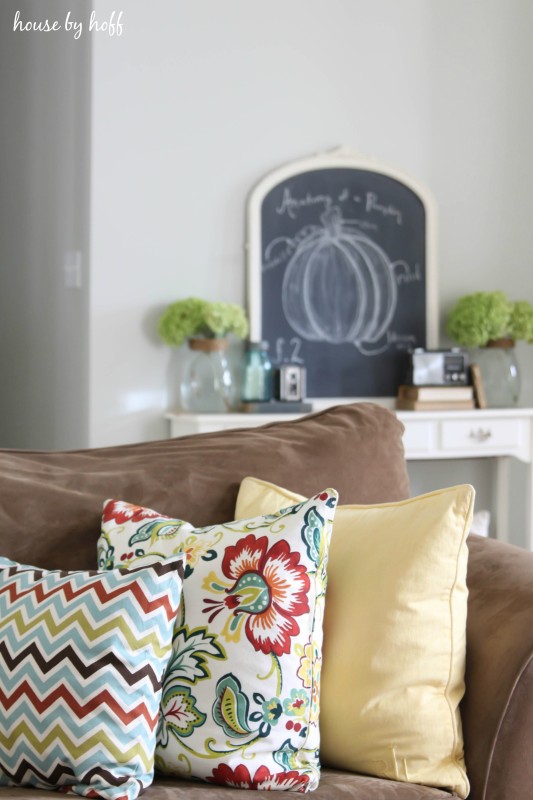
499, 434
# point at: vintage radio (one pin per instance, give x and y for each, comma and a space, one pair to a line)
438, 367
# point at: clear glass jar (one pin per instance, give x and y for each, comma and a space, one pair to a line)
206, 384
499, 371
257, 374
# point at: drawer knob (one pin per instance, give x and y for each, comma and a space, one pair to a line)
481, 434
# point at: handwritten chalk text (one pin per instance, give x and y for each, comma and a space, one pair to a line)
408, 275
402, 341
290, 205
372, 204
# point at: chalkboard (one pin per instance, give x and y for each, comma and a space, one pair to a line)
340, 272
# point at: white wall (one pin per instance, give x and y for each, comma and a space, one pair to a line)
190, 108
481, 166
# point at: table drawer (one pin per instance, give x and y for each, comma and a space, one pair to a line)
488, 434
418, 438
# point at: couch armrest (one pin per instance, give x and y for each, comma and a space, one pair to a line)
497, 709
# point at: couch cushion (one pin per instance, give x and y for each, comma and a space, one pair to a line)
334, 785
82, 656
51, 503
241, 693
394, 634
497, 710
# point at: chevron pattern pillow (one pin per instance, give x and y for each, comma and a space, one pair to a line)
82, 656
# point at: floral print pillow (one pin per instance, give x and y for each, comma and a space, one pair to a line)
240, 700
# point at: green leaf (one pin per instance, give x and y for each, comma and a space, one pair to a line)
156, 529
312, 533
190, 653
230, 709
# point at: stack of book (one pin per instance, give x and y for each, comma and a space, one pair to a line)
435, 398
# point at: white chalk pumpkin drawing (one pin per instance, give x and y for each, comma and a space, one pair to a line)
339, 285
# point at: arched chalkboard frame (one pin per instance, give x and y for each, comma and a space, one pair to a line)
341, 271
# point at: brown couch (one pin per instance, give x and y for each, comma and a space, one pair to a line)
50, 508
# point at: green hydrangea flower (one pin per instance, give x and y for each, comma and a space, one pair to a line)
479, 317
222, 318
195, 317
521, 325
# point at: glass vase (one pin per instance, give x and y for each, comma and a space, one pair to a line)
206, 384
257, 374
499, 372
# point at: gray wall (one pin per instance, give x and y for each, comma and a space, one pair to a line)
44, 207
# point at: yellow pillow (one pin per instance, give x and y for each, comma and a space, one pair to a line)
394, 634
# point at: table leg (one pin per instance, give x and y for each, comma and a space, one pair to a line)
529, 507
501, 488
